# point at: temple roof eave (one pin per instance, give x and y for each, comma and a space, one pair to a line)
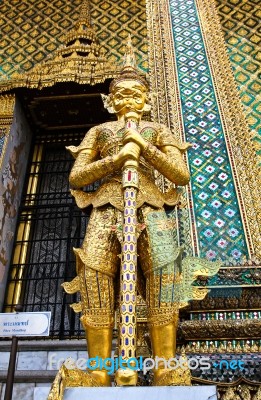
89, 70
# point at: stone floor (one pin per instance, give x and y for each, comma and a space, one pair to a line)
28, 391
36, 365
143, 393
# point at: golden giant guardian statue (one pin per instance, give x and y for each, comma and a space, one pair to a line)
129, 235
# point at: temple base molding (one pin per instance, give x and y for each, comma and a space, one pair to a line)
142, 393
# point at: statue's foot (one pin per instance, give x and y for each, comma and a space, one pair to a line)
78, 377
126, 377
85, 378
67, 378
101, 377
171, 377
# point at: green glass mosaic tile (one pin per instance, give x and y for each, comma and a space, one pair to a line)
218, 219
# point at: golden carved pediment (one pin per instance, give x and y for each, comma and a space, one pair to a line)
80, 59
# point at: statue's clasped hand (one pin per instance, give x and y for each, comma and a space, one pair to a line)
134, 144
131, 135
130, 151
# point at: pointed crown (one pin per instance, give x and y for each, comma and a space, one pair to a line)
129, 70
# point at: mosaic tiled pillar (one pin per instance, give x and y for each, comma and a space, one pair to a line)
218, 219
198, 99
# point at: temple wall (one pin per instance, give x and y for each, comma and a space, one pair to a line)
240, 24
217, 221
14, 159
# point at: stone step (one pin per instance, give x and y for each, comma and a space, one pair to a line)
143, 393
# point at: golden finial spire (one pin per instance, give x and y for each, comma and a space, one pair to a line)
82, 29
85, 14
